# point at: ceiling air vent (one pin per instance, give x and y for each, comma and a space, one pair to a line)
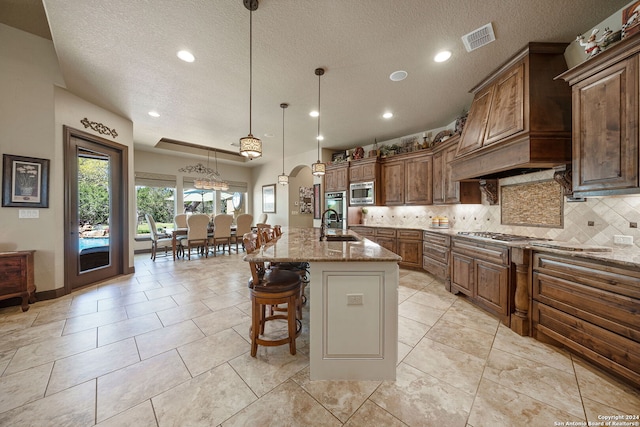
478, 38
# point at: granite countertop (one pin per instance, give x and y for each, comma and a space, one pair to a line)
304, 245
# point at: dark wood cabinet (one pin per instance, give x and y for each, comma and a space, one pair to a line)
406, 179
364, 170
336, 177
519, 119
409, 247
17, 277
445, 189
482, 271
590, 307
435, 256
605, 121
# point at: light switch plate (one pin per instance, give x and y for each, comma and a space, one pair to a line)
28, 213
619, 239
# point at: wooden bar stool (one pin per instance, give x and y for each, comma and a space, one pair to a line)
268, 288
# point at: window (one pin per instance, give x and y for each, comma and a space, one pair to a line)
155, 195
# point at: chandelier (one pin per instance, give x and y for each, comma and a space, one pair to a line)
318, 168
250, 146
284, 178
211, 180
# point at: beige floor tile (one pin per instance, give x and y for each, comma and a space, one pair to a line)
130, 386
403, 350
220, 302
496, 406
529, 348
138, 416
370, 414
465, 314
603, 388
420, 313
552, 386
93, 320
341, 398
416, 398
220, 320
206, 400
271, 367
5, 358
182, 313
34, 334
193, 296
24, 387
405, 293
463, 338
204, 354
171, 337
410, 332
136, 286
121, 301
287, 405
455, 367
142, 308
71, 407
437, 300
128, 328
91, 364
165, 291
17, 321
54, 348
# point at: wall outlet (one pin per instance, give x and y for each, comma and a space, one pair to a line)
622, 240
355, 299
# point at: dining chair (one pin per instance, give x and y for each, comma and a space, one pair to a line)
262, 219
221, 232
268, 288
243, 226
197, 228
158, 240
180, 222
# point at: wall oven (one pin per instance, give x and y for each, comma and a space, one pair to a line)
362, 193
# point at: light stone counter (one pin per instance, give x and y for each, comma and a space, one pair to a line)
354, 303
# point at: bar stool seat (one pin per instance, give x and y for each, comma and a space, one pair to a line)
268, 288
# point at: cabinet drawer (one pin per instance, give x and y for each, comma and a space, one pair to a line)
607, 349
438, 269
12, 275
386, 232
485, 251
364, 231
409, 234
438, 253
436, 239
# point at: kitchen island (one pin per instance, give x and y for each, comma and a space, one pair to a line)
354, 302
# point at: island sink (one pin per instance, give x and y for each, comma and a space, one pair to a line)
341, 238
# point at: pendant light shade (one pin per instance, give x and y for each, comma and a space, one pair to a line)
250, 146
318, 168
284, 178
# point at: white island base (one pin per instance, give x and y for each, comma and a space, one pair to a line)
354, 320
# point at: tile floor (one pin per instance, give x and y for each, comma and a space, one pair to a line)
168, 346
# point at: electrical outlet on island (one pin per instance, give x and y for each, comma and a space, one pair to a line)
622, 240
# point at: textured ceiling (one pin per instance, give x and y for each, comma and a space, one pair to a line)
121, 55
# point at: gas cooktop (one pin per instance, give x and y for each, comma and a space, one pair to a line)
497, 236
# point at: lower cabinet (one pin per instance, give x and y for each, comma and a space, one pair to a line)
590, 307
435, 256
482, 272
405, 242
17, 277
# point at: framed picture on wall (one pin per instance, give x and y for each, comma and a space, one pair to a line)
25, 182
269, 198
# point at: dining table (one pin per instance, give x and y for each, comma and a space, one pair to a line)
183, 232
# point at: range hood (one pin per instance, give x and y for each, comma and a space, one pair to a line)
520, 118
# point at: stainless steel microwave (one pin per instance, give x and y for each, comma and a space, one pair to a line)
362, 193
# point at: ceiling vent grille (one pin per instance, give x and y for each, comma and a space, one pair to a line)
478, 38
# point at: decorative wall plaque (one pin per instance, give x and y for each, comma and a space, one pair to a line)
99, 127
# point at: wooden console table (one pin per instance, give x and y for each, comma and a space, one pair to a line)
16, 277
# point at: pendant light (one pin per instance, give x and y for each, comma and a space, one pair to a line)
318, 168
284, 178
250, 146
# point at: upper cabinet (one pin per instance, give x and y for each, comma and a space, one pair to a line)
406, 179
605, 121
445, 189
520, 118
364, 170
335, 177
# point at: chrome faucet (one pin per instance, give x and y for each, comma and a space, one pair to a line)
323, 224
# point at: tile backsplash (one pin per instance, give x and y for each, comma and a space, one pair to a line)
609, 215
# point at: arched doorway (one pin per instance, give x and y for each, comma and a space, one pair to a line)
300, 184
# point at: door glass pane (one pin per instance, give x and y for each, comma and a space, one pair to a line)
94, 210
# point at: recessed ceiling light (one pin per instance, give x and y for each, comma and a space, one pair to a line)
314, 114
442, 56
186, 56
154, 114
320, 138
397, 76
387, 115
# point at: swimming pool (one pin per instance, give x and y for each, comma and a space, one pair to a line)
92, 242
